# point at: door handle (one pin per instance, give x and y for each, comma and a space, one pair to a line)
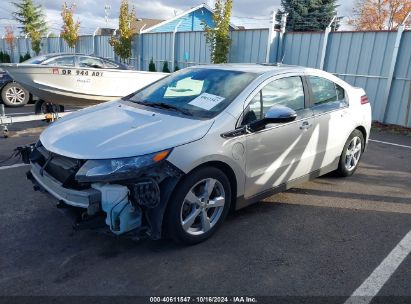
306, 125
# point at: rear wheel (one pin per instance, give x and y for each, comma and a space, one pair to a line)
198, 206
14, 95
351, 154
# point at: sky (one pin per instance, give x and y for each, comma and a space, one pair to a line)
91, 13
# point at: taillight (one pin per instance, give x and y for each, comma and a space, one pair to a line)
364, 99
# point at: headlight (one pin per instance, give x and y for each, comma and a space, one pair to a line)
117, 169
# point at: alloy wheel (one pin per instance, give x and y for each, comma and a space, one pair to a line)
202, 207
15, 95
353, 154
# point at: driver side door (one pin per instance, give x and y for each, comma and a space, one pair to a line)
280, 152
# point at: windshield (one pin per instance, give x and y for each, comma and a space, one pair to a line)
202, 93
38, 59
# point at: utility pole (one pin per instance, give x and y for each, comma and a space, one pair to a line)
283, 25
270, 36
107, 11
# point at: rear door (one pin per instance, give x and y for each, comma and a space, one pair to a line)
280, 152
331, 123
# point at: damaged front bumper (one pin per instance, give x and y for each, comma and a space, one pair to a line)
136, 205
46, 183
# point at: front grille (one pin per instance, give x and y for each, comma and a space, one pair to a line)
60, 167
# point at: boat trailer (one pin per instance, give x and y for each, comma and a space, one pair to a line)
52, 114
4, 122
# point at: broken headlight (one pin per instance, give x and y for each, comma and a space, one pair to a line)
118, 168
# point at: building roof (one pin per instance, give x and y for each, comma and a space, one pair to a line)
103, 31
186, 12
141, 24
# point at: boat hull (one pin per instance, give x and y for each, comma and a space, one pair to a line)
79, 86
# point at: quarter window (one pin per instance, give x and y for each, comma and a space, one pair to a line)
287, 92
325, 91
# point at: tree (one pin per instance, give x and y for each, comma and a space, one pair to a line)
376, 15
32, 22
25, 57
218, 36
152, 66
9, 37
122, 43
4, 57
308, 15
70, 28
165, 67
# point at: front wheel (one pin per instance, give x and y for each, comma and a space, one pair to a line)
351, 154
198, 206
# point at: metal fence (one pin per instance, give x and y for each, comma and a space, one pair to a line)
380, 62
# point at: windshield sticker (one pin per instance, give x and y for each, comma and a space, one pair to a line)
206, 101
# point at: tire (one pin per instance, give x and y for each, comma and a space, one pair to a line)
189, 218
43, 107
351, 154
14, 95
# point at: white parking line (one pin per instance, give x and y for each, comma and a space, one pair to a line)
13, 166
389, 143
373, 284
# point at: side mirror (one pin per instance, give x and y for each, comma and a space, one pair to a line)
276, 114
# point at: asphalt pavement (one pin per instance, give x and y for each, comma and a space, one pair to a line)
323, 238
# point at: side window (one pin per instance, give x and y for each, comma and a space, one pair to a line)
90, 62
63, 61
325, 91
287, 92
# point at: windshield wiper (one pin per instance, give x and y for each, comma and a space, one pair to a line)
163, 105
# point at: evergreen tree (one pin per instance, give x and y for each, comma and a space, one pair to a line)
26, 56
32, 21
165, 67
308, 15
4, 57
152, 66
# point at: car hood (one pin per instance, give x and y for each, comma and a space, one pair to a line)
117, 129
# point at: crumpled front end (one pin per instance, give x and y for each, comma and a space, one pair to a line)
133, 205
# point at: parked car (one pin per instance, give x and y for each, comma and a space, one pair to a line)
12, 93
176, 156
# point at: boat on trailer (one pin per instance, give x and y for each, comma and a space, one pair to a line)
78, 80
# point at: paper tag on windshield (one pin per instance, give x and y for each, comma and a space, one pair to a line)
206, 101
